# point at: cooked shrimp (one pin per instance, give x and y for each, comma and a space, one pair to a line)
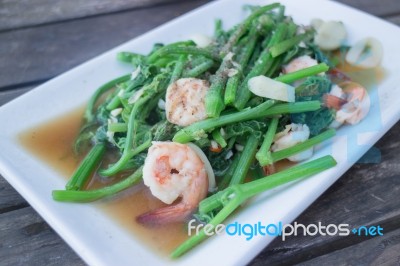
351, 102
269, 169
292, 135
299, 63
172, 170
184, 101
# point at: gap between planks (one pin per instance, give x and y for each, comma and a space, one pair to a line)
24, 56
24, 14
383, 250
27, 240
40, 53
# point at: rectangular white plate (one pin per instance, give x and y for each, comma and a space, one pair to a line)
97, 238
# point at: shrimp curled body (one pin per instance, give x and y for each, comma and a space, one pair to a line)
351, 102
172, 170
299, 63
185, 101
291, 136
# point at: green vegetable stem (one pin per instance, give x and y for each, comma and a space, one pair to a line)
234, 196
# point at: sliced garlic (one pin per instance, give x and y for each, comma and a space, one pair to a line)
161, 104
136, 95
223, 133
228, 56
116, 112
239, 147
201, 40
214, 144
330, 35
110, 136
366, 53
228, 155
232, 72
272, 89
135, 73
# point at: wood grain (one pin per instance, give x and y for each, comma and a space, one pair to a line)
23, 13
25, 239
37, 54
383, 251
366, 195
381, 8
31, 55
9, 198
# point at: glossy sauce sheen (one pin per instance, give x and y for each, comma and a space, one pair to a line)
369, 78
53, 141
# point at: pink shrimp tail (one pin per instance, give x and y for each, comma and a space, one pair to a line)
269, 169
165, 215
335, 73
334, 102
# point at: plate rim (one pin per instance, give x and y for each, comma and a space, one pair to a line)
8, 170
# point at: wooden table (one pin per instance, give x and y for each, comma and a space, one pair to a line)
40, 39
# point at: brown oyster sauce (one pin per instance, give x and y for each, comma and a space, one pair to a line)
53, 141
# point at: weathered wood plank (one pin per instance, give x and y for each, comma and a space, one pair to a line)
16, 14
9, 198
365, 195
378, 8
383, 250
25, 239
33, 54
40, 53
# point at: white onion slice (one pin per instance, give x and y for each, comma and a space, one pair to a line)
210, 173
330, 35
366, 53
269, 88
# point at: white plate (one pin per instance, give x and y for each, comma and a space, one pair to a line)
96, 237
